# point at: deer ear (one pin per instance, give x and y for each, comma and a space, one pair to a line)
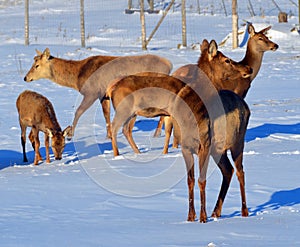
67, 131
49, 133
204, 45
265, 30
46, 53
212, 49
39, 53
251, 30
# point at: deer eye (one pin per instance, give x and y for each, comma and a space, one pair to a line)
227, 61
36, 66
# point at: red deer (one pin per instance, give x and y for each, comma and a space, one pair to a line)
91, 76
210, 64
257, 44
37, 112
206, 127
218, 66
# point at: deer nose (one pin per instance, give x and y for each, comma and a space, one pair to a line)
25, 79
250, 70
275, 47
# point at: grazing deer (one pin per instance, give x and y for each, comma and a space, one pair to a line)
91, 76
206, 127
209, 63
37, 112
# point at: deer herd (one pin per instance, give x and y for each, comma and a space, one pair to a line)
203, 103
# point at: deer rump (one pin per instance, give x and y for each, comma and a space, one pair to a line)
202, 132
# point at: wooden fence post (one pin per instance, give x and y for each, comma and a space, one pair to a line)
82, 25
26, 24
142, 17
235, 40
183, 16
299, 12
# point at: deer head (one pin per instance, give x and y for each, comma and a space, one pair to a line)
40, 67
58, 141
259, 41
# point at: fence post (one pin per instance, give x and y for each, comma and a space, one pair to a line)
151, 5
129, 4
299, 12
183, 16
235, 40
142, 17
82, 26
26, 24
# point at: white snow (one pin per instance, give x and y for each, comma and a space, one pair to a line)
90, 198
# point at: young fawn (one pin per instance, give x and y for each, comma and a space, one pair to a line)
37, 112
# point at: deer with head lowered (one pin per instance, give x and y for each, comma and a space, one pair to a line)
37, 112
209, 63
210, 124
91, 76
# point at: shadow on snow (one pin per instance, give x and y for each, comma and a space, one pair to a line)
10, 157
266, 130
282, 198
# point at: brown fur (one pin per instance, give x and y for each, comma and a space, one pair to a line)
91, 76
214, 64
201, 134
37, 112
258, 43
218, 66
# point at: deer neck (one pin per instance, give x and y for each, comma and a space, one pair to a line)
65, 72
253, 59
51, 120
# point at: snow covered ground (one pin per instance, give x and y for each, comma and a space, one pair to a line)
90, 198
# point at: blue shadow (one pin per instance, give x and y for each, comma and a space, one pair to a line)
146, 125
283, 198
10, 157
266, 130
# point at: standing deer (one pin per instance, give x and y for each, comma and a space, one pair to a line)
37, 112
257, 45
209, 63
217, 66
91, 76
206, 127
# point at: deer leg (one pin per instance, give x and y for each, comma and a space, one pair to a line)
85, 104
203, 165
238, 162
23, 142
106, 112
37, 156
189, 162
168, 132
227, 172
33, 142
159, 127
176, 133
127, 131
47, 148
120, 118
31, 138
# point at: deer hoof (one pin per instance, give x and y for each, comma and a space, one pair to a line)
192, 216
245, 212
